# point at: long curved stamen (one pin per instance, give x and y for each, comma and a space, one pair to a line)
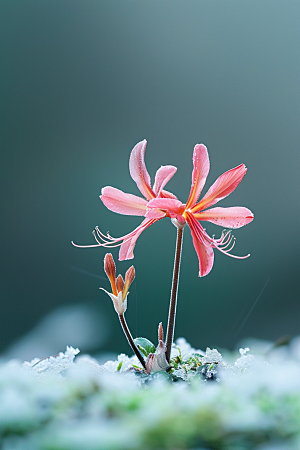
96, 237
102, 235
226, 242
232, 242
107, 236
226, 252
111, 242
219, 244
225, 237
85, 246
232, 256
223, 242
104, 243
107, 240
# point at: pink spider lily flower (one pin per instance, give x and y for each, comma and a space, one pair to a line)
160, 204
193, 211
129, 204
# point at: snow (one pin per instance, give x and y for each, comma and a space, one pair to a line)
70, 401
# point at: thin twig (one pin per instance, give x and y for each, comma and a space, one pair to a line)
130, 340
173, 300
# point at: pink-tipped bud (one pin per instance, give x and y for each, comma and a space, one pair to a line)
109, 265
160, 332
129, 277
110, 270
120, 283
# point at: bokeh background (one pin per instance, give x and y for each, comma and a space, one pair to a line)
81, 83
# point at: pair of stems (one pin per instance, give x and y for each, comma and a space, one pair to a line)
172, 308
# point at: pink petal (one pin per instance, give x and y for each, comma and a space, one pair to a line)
173, 207
167, 204
138, 170
155, 214
204, 250
121, 203
234, 217
200, 172
126, 249
222, 187
163, 175
167, 194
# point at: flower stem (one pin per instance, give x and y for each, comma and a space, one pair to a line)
174, 291
130, 340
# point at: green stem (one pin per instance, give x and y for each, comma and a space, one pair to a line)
174, 291
130, 340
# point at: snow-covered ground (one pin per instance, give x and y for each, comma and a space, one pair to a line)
244, 401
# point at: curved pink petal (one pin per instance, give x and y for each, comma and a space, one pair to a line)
138, 170
234, 217
221, 188
163, 175
122, 203
173, 207
167, 194
154, 213
127, 247
203, 249
200, 172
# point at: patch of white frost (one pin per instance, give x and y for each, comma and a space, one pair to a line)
53, 365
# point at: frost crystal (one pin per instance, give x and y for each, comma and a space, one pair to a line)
53, 364
212, 356
185, 348
245, 362
243, 351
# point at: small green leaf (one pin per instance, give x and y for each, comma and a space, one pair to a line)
119, 366
179, 353
142, 350
136, 367
144, 345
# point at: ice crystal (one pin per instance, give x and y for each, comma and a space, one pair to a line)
53, 364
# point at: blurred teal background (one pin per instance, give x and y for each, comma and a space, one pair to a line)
81, 83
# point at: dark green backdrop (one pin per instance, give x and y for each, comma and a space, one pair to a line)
81, 83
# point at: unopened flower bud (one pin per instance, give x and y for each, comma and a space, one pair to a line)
130, 274
120, 283
160, 332
119, 287
129, 277
157, 361
110, 270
